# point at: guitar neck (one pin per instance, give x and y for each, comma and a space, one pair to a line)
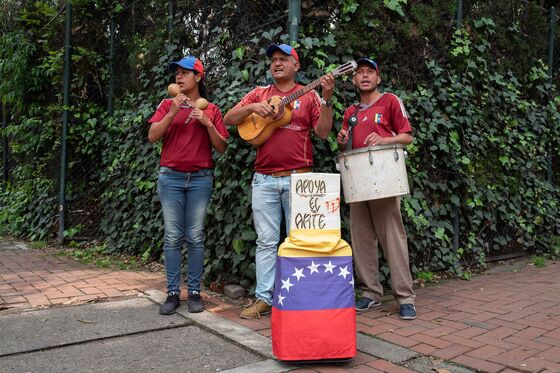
340, 70
300, 92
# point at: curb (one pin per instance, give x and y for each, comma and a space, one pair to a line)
237, 334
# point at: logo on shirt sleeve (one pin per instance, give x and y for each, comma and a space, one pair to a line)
378, 118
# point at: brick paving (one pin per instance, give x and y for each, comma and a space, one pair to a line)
497, 322
39, 278
507, 321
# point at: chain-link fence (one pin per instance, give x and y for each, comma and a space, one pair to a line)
245, 21
83, 208
531, 38
4, 167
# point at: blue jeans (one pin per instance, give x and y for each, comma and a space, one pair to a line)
184, 198
270, 197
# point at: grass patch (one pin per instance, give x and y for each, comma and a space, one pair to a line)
538, 261
39, 244
425, 276
97, 255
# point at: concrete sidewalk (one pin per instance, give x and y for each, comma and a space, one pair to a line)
505, 321
126, 335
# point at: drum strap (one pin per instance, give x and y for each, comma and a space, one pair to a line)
352, 121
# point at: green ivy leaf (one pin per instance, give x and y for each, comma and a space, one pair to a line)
395, 5
239, 52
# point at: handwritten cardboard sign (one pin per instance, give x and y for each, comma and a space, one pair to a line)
315, 201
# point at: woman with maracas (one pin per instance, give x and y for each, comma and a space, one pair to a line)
190, 127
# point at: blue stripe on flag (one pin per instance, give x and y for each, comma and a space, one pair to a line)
313, 283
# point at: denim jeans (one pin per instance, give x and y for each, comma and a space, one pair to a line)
270, 198
184, 199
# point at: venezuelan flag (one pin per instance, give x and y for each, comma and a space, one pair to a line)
313, 309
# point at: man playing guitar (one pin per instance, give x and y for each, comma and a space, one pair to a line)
288, 150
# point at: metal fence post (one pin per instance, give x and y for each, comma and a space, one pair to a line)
551, 31
456, 210
111, 65
67, 52
4, 148
171, 16
459, 14
294, 15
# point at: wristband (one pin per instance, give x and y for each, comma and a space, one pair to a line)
327, 103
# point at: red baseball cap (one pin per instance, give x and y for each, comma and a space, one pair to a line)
284, 48
189, 63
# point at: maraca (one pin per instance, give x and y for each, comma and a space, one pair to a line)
201, 103
173, 89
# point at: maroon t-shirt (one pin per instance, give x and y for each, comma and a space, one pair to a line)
289, 147
187, 147
387, 117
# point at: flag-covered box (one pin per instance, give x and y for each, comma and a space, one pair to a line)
313, 309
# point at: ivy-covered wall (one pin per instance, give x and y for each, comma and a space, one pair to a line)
485, 118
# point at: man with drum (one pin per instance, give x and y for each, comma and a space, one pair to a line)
379, 119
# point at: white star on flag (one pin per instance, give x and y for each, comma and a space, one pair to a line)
344, 272
298, 273
286, 284
281, 299
352, 282
329, 267
313, 267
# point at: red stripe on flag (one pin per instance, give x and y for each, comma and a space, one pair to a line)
314, 335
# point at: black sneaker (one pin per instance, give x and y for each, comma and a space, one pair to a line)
170, 305
195, 303
407, 311
365, 303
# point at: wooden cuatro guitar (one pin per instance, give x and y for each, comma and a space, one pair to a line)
256, 129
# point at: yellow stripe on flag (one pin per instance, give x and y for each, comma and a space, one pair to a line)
313, 243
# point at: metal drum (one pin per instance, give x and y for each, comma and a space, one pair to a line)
373, 173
